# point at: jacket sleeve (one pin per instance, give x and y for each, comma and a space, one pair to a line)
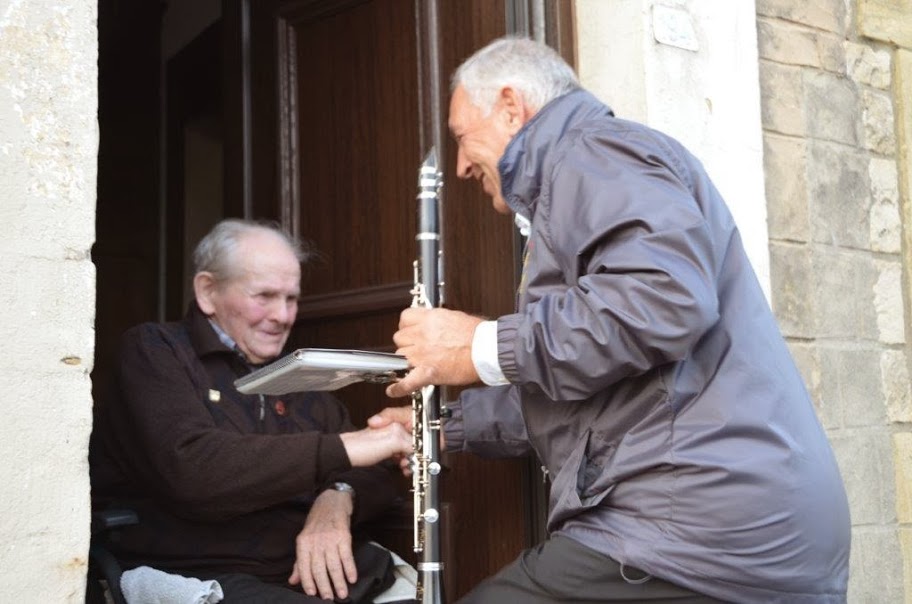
374, 486
170, 444
619, 221
488, 422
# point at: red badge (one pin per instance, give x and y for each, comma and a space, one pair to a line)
280, 407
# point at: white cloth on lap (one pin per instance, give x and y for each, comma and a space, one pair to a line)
146, 585
405, 585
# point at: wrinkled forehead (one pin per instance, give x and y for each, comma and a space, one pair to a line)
265, 255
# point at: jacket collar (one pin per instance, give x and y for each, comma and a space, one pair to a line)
203, 338
521, 167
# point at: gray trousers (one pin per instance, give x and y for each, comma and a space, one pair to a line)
563, 570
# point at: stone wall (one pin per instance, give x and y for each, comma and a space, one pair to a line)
835, 80
48, 151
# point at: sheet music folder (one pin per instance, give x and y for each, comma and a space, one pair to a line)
322, 369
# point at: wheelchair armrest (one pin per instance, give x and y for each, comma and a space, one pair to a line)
105, 520
102, 562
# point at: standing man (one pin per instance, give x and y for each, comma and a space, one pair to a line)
642, 366
259, 492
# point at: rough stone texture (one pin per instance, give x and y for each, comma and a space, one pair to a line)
840, 194
787, 43
885, 222
807, 360
886, 20
905, 541
48, 151
837, 142
791, 274
843, 289
781, 101
787, 187
879, 135
850, 382
867, 65
829, 15
791, 44
888, 301
865, 459
898, 389
833, 105
876, 566
902, 462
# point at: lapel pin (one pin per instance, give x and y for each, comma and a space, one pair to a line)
214, 395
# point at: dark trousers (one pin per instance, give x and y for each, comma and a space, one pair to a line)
375, 574
563, 570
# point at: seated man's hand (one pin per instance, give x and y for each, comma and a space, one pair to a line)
438, 343
372, 445
325, 564
400, 415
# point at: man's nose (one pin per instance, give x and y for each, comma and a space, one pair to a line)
283, 312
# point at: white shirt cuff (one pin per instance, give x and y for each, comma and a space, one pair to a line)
484, 354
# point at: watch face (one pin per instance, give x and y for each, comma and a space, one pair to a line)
344, 486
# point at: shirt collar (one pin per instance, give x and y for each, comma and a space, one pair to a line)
227, 340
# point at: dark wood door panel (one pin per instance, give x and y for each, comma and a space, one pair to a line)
339, 121
358, 143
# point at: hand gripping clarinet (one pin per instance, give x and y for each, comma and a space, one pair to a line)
427, 292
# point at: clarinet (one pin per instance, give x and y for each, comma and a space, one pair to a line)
427, 292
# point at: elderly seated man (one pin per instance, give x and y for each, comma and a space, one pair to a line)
259, 492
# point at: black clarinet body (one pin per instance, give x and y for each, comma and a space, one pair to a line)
426, 466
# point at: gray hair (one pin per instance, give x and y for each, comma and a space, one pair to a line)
532, 68
216, 253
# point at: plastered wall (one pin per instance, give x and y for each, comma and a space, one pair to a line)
48, 150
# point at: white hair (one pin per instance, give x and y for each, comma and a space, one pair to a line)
216, 253
533, 69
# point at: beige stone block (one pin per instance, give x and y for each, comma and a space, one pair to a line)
885, 222
782, 99
879, 126
840, 195
888, 302
843, 291
790, 276
894, 373
876, 567
829, 15
833, 105
902, 76
832, 53
902, 467
787, 43
785, 168
864, 458
807, 360
851, 384
905, 543
886, 20
868, 66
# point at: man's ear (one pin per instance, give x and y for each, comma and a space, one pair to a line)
515, 111
204, 289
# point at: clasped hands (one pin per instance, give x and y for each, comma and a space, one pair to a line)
438, 345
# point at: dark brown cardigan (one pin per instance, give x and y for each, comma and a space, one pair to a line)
217, 488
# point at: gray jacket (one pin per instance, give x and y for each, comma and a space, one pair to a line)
648, 373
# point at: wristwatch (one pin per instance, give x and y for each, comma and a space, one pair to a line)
344, 487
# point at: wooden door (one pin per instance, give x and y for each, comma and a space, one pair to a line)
332, 105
